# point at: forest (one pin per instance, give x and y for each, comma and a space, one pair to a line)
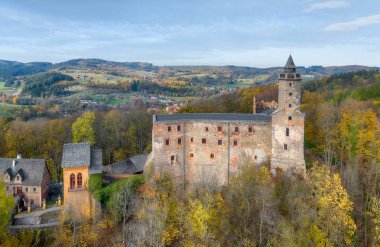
336, 204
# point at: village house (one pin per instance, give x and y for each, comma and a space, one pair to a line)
26, 179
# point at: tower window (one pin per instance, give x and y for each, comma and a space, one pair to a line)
172, 159
219, 128
203, 140
169, 128
285, 146
26, 189
167, 142
178, 128
179, 141
250, 129
289, 117
191, 155
72, 181
287, 132
79, 180
206, 129
290, 84
290, 105
212, 156
235, 143
191, 139
220, 142
290, 94
255, 157
236, 129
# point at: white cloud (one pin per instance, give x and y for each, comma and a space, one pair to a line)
334, 4
354, 24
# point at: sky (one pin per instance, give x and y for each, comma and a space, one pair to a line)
257, 33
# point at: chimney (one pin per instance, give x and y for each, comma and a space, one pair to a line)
254, 105
13, 163
19, 156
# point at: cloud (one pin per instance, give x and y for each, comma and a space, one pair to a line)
354, 24
334, 4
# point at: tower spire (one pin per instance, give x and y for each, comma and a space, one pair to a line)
290, 67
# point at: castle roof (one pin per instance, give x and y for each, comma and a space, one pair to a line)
290, 63
81, 154
31, 170
212, 117
133, 165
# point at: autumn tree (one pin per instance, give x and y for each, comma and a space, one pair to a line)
6, 207
83, 129
333, 206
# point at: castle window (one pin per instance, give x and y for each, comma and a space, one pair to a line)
250, 129
179, 141
255, 157
191, 155
26, 189
290, 105
172, 159
167, 142
191, 139
220, 142
206, 129
179, 128
34, 189
289, 118
203, 140
285, 146
169, 128
236, 129
219, 128
79, 180
290, 94
212, 156
287, 131
72, 181
235, 143
290, 84
32, 202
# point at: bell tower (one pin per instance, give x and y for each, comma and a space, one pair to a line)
288, 123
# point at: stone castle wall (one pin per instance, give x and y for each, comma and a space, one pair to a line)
189, 158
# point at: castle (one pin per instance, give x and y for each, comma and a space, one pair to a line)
205, 148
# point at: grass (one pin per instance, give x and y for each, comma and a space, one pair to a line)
4, 108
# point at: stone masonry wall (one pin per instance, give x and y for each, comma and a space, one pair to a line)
193, 161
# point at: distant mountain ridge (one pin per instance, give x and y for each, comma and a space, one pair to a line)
12, 69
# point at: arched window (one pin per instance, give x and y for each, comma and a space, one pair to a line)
72, 181
212, 156
79, 180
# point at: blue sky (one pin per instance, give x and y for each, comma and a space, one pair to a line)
193, 32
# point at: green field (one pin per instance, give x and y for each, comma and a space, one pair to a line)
4, 108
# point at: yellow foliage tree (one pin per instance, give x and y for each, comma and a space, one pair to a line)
333, 204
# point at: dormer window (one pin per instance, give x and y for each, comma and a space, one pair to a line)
18, 177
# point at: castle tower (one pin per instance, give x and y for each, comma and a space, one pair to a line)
288, 123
